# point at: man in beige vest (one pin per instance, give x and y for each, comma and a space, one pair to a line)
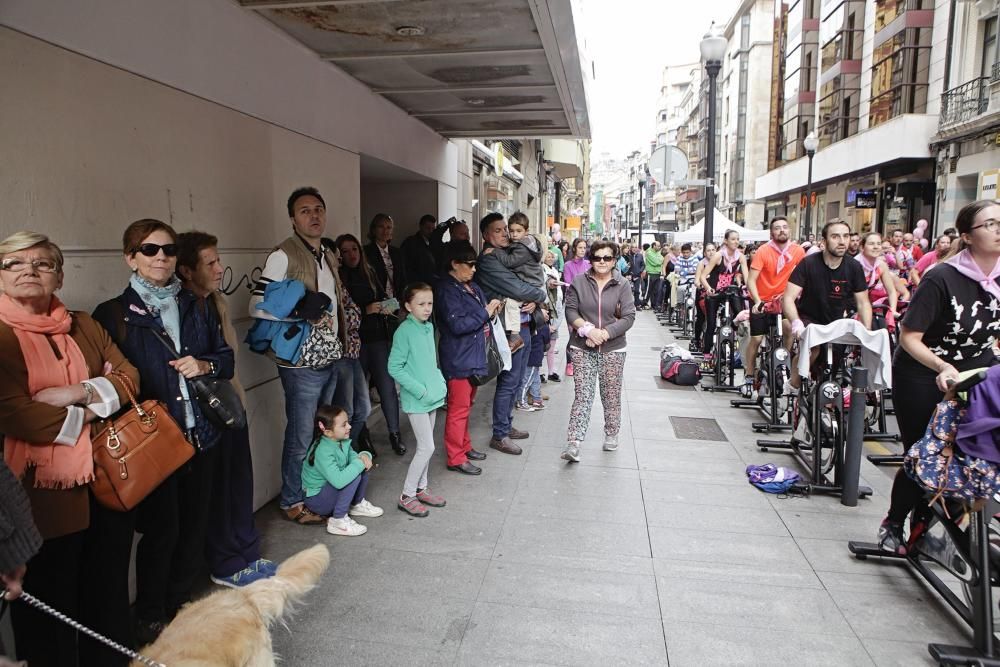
303, 256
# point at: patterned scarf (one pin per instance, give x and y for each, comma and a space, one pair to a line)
162, 303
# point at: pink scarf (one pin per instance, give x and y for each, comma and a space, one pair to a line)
731, 260
56, 466
869, 267
967, 266
784, 256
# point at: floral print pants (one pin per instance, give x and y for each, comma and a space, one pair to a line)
590, 367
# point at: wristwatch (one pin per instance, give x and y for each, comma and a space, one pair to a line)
211, 368
91, 392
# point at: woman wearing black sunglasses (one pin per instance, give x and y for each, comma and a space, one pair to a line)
600, 308
173, 518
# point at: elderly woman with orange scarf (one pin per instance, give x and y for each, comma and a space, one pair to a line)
52, 385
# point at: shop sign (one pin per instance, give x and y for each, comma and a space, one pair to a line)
865, 199
988, 184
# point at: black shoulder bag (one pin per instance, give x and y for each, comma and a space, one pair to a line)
217, 398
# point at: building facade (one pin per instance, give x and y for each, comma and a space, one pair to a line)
744, 108
967, 143
866, 77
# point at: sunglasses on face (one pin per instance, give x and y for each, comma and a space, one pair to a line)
153, 249
602, 258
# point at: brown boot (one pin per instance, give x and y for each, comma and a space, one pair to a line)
505, 445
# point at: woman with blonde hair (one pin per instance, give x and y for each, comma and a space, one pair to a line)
53, 363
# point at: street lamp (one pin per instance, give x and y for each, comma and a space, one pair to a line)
713, 50
810, 143
642, 184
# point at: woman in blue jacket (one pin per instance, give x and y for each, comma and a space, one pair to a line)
172, 519
463, 317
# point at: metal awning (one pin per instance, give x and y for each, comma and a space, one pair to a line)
466, 68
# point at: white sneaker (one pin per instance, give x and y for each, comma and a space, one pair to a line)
346, 526
610, 443
365, 508
571, 453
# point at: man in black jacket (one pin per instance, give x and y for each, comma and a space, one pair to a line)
419, 251
499, 282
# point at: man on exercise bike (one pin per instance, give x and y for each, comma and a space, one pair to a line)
770, 269
824, 287
685, 266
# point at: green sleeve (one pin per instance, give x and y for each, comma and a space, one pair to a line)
399, 369
328, 464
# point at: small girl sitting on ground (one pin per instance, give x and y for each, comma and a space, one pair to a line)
334, 477
413, 364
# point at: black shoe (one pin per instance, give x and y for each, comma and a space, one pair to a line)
467, 469
363, 443
555, 377
474, 455
397, 444
542, 378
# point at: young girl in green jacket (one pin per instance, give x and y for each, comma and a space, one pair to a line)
413, 364
334, 477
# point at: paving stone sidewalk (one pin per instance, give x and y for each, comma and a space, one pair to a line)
659, 553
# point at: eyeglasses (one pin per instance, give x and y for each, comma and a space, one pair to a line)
602, 258
153, 249
20, 265
990, 225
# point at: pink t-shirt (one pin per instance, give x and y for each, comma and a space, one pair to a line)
926, 262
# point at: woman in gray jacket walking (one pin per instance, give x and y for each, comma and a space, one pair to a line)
599, 309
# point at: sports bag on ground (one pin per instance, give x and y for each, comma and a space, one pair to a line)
678, 366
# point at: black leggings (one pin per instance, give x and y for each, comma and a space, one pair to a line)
914, 398
712, 305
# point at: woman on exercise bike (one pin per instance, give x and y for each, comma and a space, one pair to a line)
726, 267
701, 287
878, 277
948, 328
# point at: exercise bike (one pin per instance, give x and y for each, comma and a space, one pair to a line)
724, 346
819, 439
967, 550
877, 421
686, 296
771, 377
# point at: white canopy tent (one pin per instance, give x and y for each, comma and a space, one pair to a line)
720, 225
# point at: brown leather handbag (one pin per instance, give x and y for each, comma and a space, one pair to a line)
135, 451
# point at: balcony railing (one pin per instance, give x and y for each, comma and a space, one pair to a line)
996, 72
965, 102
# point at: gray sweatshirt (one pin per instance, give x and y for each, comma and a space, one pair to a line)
613, 309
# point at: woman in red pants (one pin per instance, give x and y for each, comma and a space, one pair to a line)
463, 317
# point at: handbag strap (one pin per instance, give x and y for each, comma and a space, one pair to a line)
32, 601
167, 344
126, 384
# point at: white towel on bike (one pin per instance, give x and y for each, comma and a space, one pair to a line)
875, 353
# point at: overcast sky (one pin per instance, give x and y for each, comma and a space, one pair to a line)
630, 41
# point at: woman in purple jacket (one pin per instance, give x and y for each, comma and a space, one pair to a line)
576, 265
600, 309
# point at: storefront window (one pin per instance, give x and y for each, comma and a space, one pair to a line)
499, 194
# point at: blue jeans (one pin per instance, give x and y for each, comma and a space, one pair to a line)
375, 360
352, 393
305, 390
508, 383
331, 501
531, 388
